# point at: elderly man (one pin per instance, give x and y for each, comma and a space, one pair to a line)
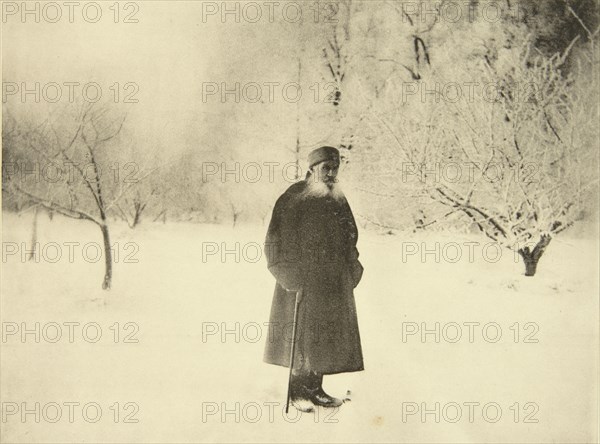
311, 251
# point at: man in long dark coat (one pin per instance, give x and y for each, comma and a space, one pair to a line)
311, 251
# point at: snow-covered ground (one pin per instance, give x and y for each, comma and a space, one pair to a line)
184, 381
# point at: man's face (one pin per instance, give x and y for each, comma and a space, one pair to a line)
326, 172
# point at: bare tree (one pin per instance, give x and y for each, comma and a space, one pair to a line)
517, 166
131, 208
139, 187
421, 17
74, 142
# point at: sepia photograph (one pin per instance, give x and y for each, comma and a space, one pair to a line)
300, 221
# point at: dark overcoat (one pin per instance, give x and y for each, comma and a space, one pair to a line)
311, 245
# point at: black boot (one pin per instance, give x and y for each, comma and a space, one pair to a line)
300, 395
317, 395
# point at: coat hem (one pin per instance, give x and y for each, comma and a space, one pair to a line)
330, 372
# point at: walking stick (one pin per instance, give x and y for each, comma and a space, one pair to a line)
293, 350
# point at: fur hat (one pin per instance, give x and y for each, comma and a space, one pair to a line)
323, 154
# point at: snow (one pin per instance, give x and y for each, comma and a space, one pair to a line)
178, 373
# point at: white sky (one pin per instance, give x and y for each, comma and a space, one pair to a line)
168, 53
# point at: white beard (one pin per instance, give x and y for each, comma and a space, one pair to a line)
316, 188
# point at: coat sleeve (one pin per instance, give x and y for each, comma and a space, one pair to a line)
282, 247
356, 268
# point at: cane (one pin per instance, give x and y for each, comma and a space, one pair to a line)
293, 350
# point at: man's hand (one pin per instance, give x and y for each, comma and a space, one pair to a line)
295, 294
356, 272
299, 295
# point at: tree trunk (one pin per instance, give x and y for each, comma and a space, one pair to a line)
163, 215
31, 253
297, 152
532, 257
136, 219
137, 215
108, 258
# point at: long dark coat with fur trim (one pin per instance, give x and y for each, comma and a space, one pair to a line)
311, 245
